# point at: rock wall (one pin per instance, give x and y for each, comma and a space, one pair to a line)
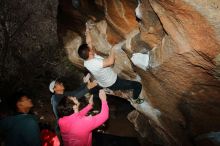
181, 84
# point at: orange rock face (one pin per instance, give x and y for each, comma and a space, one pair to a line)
182, 38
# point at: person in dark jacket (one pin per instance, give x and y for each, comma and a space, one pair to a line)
58, 89
21, 129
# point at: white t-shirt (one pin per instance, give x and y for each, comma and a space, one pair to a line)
105, 76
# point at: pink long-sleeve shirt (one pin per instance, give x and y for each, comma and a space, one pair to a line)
76, 129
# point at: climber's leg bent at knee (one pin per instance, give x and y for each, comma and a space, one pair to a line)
122, 84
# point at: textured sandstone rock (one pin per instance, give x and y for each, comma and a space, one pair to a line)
71, 43
120, 14
187, 27
182, 37
149, 24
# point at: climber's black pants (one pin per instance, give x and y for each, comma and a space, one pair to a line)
122, 84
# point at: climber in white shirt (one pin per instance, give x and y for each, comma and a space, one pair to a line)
102, 71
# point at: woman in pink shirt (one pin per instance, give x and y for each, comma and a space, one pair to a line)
75, 127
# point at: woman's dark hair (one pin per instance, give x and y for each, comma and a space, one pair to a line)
65, 107
83, 51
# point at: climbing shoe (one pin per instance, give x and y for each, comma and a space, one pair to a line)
138, 101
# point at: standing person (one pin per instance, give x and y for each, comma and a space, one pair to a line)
75, 127
58, 90
102, 71
22, 128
